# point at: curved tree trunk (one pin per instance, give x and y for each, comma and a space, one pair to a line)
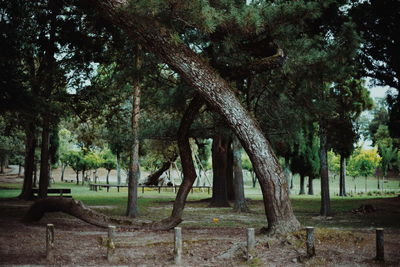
217, 92
240, 204
189, 171
153, 178
30, 145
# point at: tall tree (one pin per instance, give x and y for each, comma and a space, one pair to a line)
158, 39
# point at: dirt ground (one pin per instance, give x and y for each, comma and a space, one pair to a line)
78, 243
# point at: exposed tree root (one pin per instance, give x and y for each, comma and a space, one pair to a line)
77, 209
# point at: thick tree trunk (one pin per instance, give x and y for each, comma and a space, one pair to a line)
30, 145
342, 181
302, 191
240, 204
44, 158
219, 95
153, 178
310, 185
219, 162
325, 198
134, 170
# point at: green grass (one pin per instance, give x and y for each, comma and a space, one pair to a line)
156, 206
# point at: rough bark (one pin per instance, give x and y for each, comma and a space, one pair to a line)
44, 158
153, 178
219, 151
310, 185
218, 94
325, 198
240, 204
134, 175
342, 181
302, 191
30, 145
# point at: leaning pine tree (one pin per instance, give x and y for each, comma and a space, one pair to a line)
146, 27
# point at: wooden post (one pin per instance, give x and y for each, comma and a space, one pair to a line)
251, 242
110, 243
380, 252
50, 242
178, 246
310, 242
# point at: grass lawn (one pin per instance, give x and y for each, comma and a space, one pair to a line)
156, 206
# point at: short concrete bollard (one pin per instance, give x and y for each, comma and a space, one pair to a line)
178, 246
310, 242
110, 243
251, 243
380, 251
50, 242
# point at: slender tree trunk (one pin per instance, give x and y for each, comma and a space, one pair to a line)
310, 185
219, 95
302, 191
325, 198
188, 169
240, 204
342, 182
83, 176
118, 169
229, 171
44, 158
19, 170
365, 184
77, 177
288, 174
153, 178
63, 171
30, 145
108, 175
219, 161
253, 179
35, 175
134, 171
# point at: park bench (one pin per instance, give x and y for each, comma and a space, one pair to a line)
51, 192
